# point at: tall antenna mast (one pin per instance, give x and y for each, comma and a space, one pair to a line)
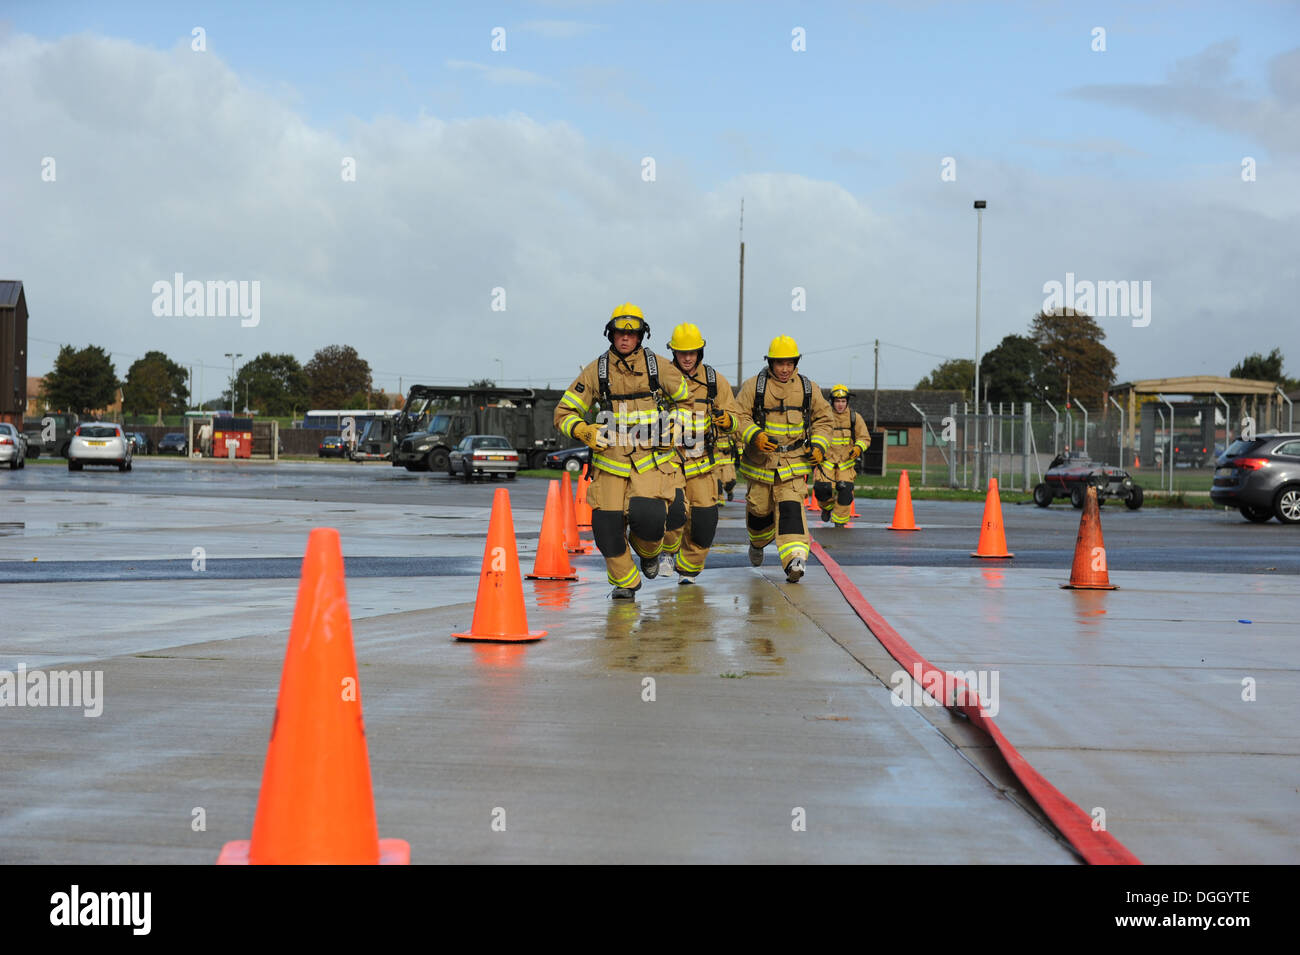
740, 321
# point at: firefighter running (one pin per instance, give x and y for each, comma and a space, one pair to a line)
638, 490
725, 470
710, 414
785, 424
833, 478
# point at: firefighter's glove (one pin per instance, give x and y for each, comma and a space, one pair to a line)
591, 436
722, 419
763, 441
818, 456
857, 451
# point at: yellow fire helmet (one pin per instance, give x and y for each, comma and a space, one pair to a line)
783, 346
840, 391
686, 337
627, 318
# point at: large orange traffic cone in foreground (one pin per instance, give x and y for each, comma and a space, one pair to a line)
903, 519
499, 611
572, 542
581, 509
993, 540
552, 561
1089, 570
316, 805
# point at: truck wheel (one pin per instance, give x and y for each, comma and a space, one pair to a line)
63, 451
1134, 499
440, 460
1042, 495
1077, 496
537, 460
1260, 515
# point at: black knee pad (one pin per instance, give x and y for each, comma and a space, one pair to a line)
607, 529
791, 517
676, 519
844, 492
822, 491
646, 516
759, 522
704, 524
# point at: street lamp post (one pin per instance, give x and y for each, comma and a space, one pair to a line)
501, 372
232, 356
980, 206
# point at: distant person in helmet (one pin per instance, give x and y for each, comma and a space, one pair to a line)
637, 469
785, 427
833, 478
709, 414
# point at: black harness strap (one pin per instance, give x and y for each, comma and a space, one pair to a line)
652, 372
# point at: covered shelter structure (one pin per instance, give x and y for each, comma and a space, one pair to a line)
1204, 399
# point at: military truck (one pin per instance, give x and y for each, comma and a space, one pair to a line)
41, 439
436, 418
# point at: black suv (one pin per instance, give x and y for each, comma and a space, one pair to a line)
1261, 477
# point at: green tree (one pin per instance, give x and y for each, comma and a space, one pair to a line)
955, 374
274, 385
1268, 367
155, 383
337, 377
1079, 364
83, 380
1016, 371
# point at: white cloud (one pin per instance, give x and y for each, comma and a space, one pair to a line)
502, 75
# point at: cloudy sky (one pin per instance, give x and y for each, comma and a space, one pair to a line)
215, 140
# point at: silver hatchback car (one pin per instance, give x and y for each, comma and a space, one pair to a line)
13, 447
99, 442
484, 454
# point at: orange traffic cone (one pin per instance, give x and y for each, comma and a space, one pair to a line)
552, 561
1137, 462
1089, 570
581, 509
316, 805
903, 519
499, 611
810, 503
993, 540
572, 542
853, 508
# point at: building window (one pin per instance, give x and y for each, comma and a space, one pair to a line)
896, 439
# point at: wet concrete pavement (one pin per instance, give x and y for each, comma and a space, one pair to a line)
769, 699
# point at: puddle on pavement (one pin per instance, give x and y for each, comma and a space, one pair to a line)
661, 632
8, 529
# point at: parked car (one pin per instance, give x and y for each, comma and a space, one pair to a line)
1070, 475
173, 443
570, 459
99, 442
1261, 477
13, 447
331, 446
140, 443
484, 454
1191, 450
